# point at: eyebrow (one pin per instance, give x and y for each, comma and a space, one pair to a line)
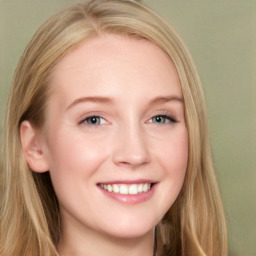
99, 99
165, 99
96, 99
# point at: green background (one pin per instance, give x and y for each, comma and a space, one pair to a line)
221, 36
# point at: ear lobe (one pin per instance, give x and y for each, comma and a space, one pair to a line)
33, 147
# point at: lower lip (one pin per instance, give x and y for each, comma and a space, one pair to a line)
130, 199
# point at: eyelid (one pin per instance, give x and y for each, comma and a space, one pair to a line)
168, 118
90, 115
166, 114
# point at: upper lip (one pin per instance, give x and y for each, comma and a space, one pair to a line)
139, 181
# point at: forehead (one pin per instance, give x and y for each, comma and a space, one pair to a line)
106, 62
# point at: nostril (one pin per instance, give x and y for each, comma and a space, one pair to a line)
131, 158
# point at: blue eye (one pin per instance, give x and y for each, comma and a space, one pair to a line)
94, 120
162, 119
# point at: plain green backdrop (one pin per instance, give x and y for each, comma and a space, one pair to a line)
221, 36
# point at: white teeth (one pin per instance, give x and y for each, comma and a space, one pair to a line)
115, 188
110, 188
133, 189
145, 187
125, 189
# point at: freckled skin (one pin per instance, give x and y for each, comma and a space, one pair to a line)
128, 144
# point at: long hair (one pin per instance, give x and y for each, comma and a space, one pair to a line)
30, 221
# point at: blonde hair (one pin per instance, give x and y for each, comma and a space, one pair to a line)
30, 223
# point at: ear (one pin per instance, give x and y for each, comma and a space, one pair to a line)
33, 147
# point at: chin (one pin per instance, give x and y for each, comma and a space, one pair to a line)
130, 229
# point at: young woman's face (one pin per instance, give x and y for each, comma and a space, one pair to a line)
116, 142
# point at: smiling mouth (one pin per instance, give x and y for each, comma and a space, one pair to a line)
127, 189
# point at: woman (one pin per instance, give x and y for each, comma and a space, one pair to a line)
106, 141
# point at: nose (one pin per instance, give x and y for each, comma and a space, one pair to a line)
130, 148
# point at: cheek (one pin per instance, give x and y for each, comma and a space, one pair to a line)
74, 163
173, 154
179, 155
178, 159
73, 159
173, 160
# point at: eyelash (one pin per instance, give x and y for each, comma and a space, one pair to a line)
167, 118
85, 121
